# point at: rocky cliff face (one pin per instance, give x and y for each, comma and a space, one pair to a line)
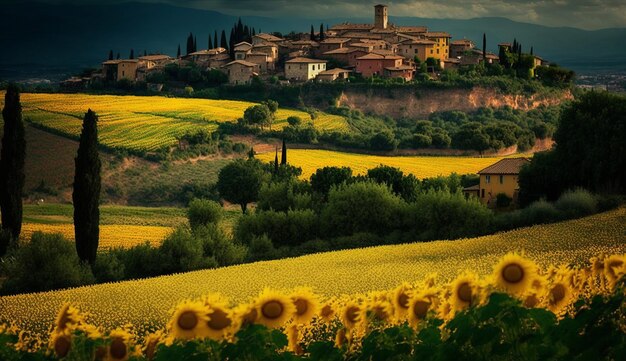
402, 103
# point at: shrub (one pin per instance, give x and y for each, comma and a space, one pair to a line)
181, 252
217, 247
539, 212
283, 228
294, 121
47, 262
323, 179
140, 261
261, 248
360, 207
108, 267
202, 212
576, 203
502, 200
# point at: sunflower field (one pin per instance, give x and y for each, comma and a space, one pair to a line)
146, 303
517, 311
146, 123
311, 160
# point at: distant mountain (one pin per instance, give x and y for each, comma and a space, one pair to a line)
44, 40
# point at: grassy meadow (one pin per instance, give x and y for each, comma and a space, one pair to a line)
146, 303
144, 123
421, 166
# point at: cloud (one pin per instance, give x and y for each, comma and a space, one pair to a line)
586, 14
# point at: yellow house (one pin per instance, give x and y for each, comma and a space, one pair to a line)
500, 177
442, 44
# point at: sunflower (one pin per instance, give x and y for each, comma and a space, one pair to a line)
327, 311
293, 339
531, 299
273, 309
246, 314
189, 321
418, 309
614, 268
559, 295
151, 342
379, 311
61, 343
341, 338
68, 318
306, 303
351, 314
464, 291
514, 274
400, 297
222, 322
119, 347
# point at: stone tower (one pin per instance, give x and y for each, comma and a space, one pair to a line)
380, 16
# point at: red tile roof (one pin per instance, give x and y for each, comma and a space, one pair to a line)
505, 166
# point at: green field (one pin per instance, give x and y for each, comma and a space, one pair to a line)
143, 123
146, 303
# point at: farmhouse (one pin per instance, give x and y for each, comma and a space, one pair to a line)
499, 178
333, 75
373, 64
241, 72
303, 69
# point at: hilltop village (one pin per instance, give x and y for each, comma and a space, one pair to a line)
381, 49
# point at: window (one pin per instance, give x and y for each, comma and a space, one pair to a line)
437, 51
482, 193
488, 179
415, 51
501, 179
431, 51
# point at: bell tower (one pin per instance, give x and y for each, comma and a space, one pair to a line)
380, 16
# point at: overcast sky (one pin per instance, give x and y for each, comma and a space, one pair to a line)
586, 14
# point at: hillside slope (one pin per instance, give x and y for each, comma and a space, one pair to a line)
146, 303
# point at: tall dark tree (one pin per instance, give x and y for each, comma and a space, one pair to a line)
322, 35
178, 52
110, 54
276, 162
239, 31
312, 33
246, 31
232, 42
86, 195
195, 44
189, 44
484, 48
210, 42
223, 42
12, 159
145, 53
132, 54
253, 32
532, 51
283, 157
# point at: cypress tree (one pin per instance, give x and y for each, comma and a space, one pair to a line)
189, 44
111, 54
276, 162
223, 42
145, 53
312, 33
232, 41
132, 54
239, 32
12, 159
322, 35
86, 195
178, 52
195, 44
253, 32
246, 31
283, 158
531, 51
210, 42
484, 48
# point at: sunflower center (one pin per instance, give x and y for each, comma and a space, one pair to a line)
301, 306
118, 348
403, 300
272, 309
100, 353
187, 320
62, 346
558, 293
464, 292
380, 314
219, 320
531, 301
420, 309
251, 316
352, 314
327, 311
513, 273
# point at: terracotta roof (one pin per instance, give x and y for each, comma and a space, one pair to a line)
452, 60
256, 54
383, 52
342, 51
214, 51
357, 35
418, 42
155, 57
411, 29
243, 46
348, 26
437, 34
241, 62
111, 62
334, 41
373, 56
474, 188
335, 71
268, 37
265, 45
505, 166
305, 60
462, 42
305, 42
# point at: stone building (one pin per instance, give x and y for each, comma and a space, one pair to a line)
304, 69
240, 72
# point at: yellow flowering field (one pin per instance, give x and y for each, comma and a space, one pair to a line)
111, 235
147, 122
421, 166
146, 303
